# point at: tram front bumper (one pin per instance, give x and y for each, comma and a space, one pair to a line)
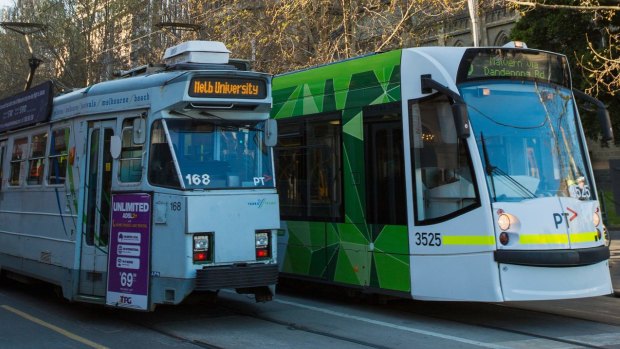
236, 276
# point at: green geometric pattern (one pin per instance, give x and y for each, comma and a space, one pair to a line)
353, 252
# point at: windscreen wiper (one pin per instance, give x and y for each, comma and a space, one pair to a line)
491, 170
488, 167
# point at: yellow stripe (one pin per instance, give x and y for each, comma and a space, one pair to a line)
468, 240
524, 239
54, 328
590, 236
541, 239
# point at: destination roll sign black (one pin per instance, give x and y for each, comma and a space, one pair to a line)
26, 108
218, 87
503, 63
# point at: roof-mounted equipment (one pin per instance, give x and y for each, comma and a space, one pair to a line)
213, 52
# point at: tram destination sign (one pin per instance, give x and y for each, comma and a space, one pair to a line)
26, 108
219, 87
504, 63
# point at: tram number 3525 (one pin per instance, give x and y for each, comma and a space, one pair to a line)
428, 239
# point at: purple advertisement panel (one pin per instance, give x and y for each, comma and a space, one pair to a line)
129, 253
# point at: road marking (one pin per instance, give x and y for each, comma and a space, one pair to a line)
54, 328
394, 326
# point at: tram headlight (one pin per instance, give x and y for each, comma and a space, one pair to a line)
503, 221
201, 242
263, 244
202, 247
596, 218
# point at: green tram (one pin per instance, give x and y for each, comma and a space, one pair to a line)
439, 173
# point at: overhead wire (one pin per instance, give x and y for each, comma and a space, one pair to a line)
140, 38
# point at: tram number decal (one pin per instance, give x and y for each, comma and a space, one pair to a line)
579, 192
175, 206
127, 279
197, 179
428, 239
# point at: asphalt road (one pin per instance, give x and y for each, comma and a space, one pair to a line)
310, 317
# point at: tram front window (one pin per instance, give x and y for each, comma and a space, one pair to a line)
211, 155
528, 137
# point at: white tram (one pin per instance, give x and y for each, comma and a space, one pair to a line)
139, 191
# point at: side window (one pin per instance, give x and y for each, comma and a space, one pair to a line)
162, 170
131, 155
444, 178
385, 172
58, 157
18, 158
36, 165
309, 169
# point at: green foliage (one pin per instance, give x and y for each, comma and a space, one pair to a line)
570, 32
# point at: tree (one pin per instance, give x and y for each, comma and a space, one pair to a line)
587, 33
87, 40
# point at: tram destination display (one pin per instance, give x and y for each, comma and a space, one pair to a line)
217, 87
518, 64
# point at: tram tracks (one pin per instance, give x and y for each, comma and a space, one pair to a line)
201, 343
490, 325
510, 311
528, 334
333, 319
198, 343
297, 327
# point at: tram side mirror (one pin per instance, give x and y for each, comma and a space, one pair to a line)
139, 131
459, 107
115, 146
601, 112
271, 133
603, 116
461, 119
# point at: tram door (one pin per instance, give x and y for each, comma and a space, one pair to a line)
96, 227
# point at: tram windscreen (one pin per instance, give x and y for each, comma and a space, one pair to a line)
212, 155
529, 139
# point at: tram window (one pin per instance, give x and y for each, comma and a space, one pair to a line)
385, 174
36, 164
162, 170
18, 158
444, 178
58, 156
131, 155
309, 169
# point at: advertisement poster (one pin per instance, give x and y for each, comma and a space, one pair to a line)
27, 108
129, 253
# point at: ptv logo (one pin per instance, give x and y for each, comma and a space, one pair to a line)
558, 218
